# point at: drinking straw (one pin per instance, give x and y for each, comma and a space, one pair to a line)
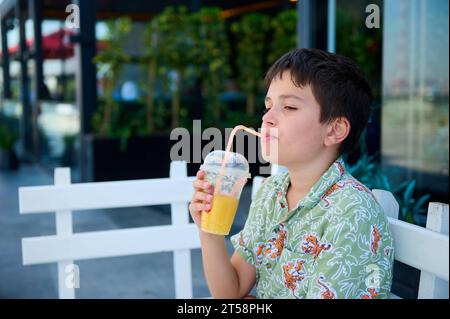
227, 151
237, 186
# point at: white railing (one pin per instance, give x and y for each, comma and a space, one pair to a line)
66, 246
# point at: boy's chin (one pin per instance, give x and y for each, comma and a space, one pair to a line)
272, 159
270, 153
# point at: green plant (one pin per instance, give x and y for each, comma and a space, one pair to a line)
175, 49
7, 138
370, 173
212, 54
251, 31
410, 207
111, 59
68, 156
363, 45
152, 37
284, 33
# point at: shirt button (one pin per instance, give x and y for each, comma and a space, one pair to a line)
282, 205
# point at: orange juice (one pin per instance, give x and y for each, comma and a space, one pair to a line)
219, 219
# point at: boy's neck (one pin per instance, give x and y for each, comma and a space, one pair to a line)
303, 176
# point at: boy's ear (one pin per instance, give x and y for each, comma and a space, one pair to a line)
338, 130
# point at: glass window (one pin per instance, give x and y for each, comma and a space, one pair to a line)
362, 45
415, 138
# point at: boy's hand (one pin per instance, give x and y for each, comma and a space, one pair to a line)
202, 198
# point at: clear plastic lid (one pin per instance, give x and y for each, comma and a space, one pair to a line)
236, 164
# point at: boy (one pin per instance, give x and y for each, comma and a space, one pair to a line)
314, 231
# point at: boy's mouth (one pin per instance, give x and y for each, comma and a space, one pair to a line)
266, 136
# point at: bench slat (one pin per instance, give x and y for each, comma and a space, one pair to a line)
421, 248
182, 265
110, 243
102, 195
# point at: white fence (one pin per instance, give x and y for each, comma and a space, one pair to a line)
426, 249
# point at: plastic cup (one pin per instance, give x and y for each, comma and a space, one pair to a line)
226, 199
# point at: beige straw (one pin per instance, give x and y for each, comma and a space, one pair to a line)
227, 152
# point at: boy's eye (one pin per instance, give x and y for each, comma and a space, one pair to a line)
290, 108
266, 109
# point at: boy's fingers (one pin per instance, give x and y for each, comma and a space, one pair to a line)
198, 207
201, 196
201, 184
201, 174
206, 207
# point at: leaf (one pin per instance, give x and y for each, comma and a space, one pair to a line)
410, 218
403, 212
399, 187
407, 195
418, 205
386, 183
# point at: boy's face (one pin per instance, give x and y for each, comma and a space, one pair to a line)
292, 120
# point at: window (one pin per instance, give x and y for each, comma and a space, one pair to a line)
415, 138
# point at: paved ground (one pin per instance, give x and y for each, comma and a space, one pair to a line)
141, 276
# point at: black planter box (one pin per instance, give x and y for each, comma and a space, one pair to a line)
143, 157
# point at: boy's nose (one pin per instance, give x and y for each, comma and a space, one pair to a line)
269, 119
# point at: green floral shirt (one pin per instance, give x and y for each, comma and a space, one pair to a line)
335, 243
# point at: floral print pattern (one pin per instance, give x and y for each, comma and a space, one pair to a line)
335, 243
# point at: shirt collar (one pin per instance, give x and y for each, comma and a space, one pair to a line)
330, 177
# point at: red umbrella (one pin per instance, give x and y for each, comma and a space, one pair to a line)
56, 45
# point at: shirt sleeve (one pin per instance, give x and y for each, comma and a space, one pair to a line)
353, 259
245, 242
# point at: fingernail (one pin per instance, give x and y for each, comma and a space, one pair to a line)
208, 198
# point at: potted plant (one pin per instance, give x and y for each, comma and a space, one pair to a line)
212, 54
113, 122
251, 32
111, 59
284, 32
152, 35
174, 32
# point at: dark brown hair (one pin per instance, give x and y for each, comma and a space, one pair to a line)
337, 84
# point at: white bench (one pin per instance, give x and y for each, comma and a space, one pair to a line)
65, 247
426, 249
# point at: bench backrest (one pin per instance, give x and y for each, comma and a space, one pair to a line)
426, 249
65, 247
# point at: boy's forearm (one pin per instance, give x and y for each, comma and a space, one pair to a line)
222, 279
